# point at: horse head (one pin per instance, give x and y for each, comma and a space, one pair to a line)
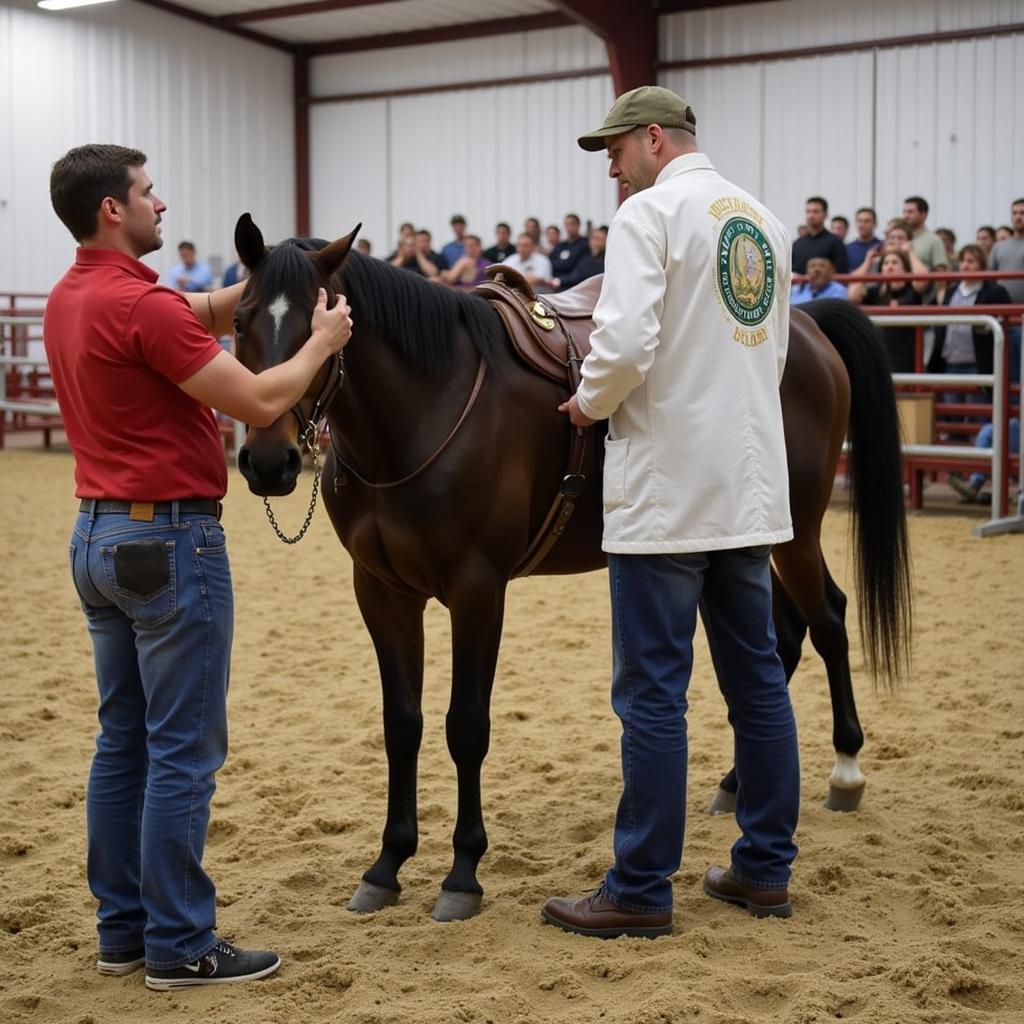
271, 324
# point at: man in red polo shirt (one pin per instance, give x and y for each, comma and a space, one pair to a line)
136, 368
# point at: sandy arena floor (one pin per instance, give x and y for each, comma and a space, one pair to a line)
910, 911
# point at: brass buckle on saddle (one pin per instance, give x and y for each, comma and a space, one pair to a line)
539, 312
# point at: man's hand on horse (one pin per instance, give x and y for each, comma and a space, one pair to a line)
572, 407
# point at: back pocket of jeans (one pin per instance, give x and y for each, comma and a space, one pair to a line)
141, 575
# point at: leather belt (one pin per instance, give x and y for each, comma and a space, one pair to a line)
147, 509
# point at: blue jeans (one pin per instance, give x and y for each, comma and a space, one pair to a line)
984, 440
955, 397
158, 605
655, 599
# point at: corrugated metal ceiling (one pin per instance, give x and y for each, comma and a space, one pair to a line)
369, 18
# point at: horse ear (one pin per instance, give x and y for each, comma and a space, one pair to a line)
249, 242
334, 255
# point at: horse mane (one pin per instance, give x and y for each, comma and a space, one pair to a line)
418, 318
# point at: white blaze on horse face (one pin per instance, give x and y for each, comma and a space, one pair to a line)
277, 310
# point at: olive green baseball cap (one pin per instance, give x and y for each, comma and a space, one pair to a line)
650, 104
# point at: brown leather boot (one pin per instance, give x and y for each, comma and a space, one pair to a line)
722, 884
597, 916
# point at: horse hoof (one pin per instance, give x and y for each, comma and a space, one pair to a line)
723, 803
843, 799
369, 897
456, 906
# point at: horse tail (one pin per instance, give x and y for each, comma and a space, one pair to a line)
875, 473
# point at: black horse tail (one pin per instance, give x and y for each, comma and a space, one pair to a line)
875, 472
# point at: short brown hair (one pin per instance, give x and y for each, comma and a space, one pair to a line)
84, 177
977, 252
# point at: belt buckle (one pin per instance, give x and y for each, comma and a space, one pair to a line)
141, 511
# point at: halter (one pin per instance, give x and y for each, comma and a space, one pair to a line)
310, 430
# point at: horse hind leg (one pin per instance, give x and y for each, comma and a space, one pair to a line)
790, 630
395, 622
804, 573
477, 613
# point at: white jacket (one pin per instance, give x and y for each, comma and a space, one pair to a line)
688, 351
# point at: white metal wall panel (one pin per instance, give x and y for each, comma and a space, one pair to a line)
820, 137
7, 254
213, 114
503, 153
947, 129
349, 182
508, 56
794, 24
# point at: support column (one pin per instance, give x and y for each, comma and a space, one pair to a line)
302, 181
630, 33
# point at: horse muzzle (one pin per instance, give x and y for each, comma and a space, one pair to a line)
270, 464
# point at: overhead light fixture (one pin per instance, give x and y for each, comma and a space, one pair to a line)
63, 5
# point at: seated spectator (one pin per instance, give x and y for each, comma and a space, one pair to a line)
455, 249
552, 236
985, 237
970, 489
839, 226
234, 273
531, 227
866, 222
533, 265
819, 283
405, 230
469, 269
901, 342
818, 241
589, 264
962, 348
897, 236
503, 247
189, 275
802, 231
363, 245
948, 239
1003, 232
415, 254
569, 249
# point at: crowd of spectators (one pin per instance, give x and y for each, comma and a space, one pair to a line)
554, 259
908, 246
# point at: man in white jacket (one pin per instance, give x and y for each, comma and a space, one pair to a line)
688, 351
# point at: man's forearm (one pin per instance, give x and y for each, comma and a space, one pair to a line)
216, 310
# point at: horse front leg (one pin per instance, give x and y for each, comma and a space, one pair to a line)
395, 623
477, 611
790, 630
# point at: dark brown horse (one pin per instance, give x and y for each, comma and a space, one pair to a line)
429, 371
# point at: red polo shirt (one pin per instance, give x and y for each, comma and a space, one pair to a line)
118, 346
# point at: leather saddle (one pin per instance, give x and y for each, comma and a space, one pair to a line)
550, 333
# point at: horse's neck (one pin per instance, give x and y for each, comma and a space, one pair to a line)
387, 410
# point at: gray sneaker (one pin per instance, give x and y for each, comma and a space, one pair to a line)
221, 966
967, 489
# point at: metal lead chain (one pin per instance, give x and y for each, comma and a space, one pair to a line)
311, 439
